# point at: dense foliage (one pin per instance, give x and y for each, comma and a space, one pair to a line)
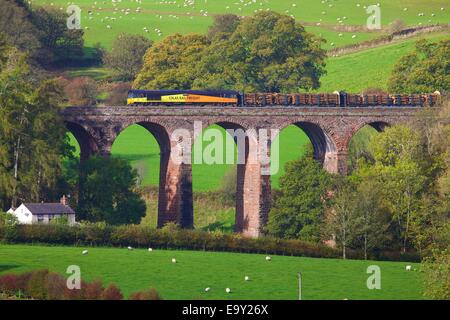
298, 210
101, 234
427, 69
437, 275
46, 285
126, 54
42, 33
267, 52
107, 192
32, 135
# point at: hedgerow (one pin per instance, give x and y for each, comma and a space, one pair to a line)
100, 234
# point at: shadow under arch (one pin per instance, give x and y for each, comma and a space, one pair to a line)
324, 148
358, 143
378, 125
87, 143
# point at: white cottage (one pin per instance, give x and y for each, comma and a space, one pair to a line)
31, 213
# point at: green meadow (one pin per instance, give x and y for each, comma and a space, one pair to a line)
163, 18
134, 270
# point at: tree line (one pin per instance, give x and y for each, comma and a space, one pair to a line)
397, 198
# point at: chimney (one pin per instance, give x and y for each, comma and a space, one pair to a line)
64, 200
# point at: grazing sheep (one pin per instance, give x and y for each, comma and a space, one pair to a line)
408, 268
227, 290
130, 248
85, 252
247, 278
268, 258
174, 260
207, 289
150, 249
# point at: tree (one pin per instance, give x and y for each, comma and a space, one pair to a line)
41, 33
371, 217
126, 55
400, 170
61, 44
170, 63
437, 275
298, 211
32, 135
19, 31
107, 192
223, 25
81, 91
340, 219
267, 52
424, 70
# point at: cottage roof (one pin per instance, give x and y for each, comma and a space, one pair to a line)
48, 208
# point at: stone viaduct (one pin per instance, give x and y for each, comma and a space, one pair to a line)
330, 130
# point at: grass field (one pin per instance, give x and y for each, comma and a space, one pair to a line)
195, 16
194, 271
369, 68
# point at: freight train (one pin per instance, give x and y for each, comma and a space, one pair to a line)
239, 99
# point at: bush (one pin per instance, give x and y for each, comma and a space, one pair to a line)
169, 237
45, 285
112, 293
437, 275
126, 55
117, 94
81, 91
149, 294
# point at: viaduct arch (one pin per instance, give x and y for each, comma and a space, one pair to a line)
329, 129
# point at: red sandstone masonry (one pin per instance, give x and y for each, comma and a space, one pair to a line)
329, 129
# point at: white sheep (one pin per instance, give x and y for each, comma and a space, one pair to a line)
227, 290
174, 260
268, 258
207, 289
130, 248
85, 252
408, 268
150, 249
247, 278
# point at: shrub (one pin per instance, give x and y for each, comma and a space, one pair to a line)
169, 236
81, 91
37, 285
149, 294
93, 290
56, 286
117, 94
126, 55
112, 292
437, 275
45, 285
